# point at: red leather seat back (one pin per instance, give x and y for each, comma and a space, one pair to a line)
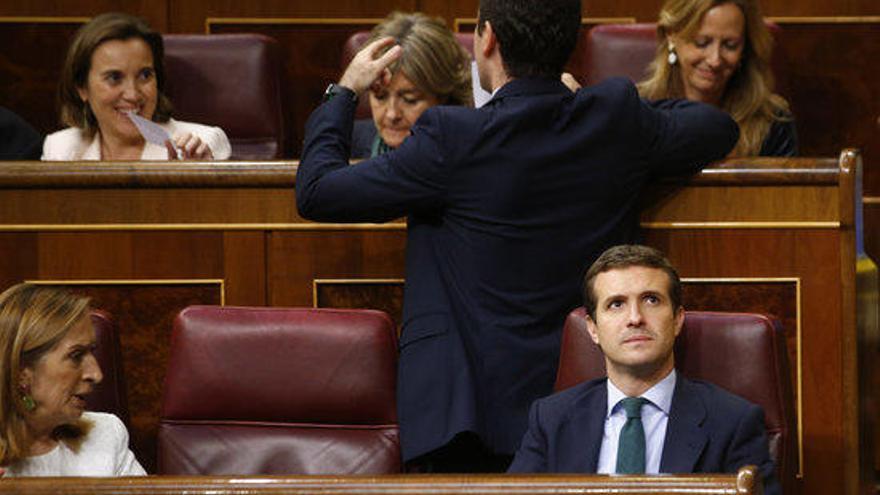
109, 396
232, 81
357, 41
619, 50
275, 391
742, 353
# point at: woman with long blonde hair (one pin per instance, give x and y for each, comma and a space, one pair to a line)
718, 52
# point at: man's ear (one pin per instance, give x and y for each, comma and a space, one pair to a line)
679, 320
490, 42
591, 327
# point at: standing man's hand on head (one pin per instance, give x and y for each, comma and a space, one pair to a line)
365, 69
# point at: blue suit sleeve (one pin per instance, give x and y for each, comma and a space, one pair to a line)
749, 446
329, 189
684, 136
532, 454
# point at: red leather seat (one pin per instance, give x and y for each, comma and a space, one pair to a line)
232, 81
742, 353
619, 50
109, 396
357, 41
276, 391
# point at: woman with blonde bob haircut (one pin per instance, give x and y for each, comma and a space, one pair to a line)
433, 69
718, 52
47, 367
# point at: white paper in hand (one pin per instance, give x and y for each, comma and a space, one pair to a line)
152, 132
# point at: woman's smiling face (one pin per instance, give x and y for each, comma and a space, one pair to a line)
121, 79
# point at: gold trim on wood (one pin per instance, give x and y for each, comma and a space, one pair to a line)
458, 21
139, 281
798, 344
740, 225
44, 20
211, 21
826, 20
307, 226
871, 200
109, 227
349, 281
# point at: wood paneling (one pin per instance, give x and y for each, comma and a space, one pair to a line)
296, 259
190, 16
54, 225
646, 10
245, 266
385, 295
643, 10
833, 88
30, 67
155, 12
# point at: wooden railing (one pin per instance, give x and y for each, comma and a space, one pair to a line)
745, 482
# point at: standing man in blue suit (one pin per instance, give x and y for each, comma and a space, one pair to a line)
503, 205
642, 418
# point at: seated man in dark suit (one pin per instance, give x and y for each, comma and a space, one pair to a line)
643, 418
503, 205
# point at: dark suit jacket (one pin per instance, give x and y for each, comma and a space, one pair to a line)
362, 137
18, 140
709, 431
507, 205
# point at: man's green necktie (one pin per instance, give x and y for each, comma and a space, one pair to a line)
631, 445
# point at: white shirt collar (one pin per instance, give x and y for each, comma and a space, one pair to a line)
660, 394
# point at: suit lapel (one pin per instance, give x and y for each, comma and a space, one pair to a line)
685, 437
584, 437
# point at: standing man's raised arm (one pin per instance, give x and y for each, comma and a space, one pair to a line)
687, 135
327, 188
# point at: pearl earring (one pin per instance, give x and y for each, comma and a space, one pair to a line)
672, 58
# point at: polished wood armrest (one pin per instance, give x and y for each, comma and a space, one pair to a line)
745, 482
24, 174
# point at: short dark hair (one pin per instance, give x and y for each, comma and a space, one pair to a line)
75, 72
625, 256
536, 37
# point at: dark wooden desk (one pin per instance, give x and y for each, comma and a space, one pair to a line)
779, 236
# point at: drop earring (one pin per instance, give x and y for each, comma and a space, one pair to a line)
672, 58
28, 402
